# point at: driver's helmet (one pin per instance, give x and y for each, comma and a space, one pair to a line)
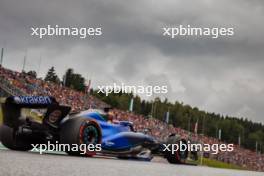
110, 117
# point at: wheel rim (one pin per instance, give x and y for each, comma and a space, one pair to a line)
90, 135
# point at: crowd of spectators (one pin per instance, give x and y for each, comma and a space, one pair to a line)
80, 101
32, 86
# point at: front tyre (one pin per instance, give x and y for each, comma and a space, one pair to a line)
10, 139
80, 131
178, 157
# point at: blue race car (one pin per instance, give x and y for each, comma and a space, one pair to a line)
31, 120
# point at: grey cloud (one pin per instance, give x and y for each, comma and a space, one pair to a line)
222, 75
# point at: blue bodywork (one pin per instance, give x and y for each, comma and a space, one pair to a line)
118, 137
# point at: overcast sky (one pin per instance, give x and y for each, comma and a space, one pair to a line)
224, 75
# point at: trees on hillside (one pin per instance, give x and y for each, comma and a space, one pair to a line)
51, 76
32, 73
74, 80
185, 116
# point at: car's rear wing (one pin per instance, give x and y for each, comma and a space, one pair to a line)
11, 109
31, 101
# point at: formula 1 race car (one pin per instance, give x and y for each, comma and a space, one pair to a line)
29, 120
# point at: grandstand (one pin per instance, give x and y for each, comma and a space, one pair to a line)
15, 83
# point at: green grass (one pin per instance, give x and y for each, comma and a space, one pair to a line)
216, 164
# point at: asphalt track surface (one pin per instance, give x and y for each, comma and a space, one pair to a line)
14, 163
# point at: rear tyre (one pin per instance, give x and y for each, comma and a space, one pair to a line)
79, 131
11, 140
179, 157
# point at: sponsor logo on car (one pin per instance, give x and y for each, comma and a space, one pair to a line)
33, 100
